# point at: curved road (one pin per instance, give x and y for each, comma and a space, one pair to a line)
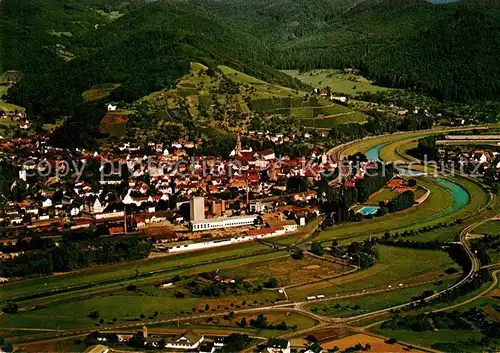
475, 267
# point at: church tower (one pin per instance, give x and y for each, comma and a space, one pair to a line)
273, 172
237, 148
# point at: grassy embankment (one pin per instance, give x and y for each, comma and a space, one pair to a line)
489, 228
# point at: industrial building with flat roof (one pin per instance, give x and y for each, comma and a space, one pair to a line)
222, 222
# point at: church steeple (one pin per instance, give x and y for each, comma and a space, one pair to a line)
237, 148
272, 172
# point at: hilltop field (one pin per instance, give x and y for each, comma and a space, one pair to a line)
206, 91
224, 98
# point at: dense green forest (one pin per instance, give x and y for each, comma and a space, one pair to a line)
64, 47
445, 50
145, 50
68, 256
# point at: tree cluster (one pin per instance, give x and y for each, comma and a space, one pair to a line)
70, 256
402, 201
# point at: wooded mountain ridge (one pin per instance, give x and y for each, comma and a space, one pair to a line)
64, 47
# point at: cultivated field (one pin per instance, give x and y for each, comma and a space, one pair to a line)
329, 121
123, 270
291, 318
378, 345
440, 206
263, 89
128, 307
287, 271
69, 310
430, 338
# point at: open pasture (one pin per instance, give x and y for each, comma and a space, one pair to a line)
428, 211
99, 92
372, 302
338, 81
396, 265
378, 345
291, 318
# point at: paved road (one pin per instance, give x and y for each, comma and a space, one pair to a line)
483, 293
286, 306
475, 267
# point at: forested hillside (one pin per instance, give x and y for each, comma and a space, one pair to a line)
445, 50
64, 47
35, 32
145, 50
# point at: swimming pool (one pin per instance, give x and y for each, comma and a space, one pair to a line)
368, 210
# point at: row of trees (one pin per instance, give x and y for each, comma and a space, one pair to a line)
132, 52
261, 323
472, 319
70, 256
363, 253
428, 245
426, 149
